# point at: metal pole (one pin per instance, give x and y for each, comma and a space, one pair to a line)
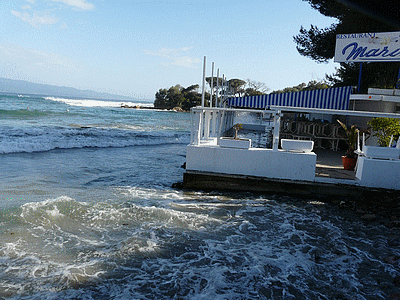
204, 83
359, 79
212, 84
398, 81
216, 92
223, 90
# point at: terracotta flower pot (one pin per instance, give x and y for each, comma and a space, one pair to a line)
349, 163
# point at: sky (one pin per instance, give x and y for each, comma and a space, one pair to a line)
136, 47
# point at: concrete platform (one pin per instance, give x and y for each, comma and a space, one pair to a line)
329, 165
331, 181
194, 180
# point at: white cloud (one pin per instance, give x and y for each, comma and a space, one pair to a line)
35, 19
79, 4
186, 61
175, 57
31, 61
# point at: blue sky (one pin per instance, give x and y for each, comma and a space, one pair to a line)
136, 47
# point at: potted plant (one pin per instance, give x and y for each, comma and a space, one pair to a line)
235, 142
237, 127
349, 160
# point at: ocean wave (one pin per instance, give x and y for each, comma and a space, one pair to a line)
22, 114
64, 244
40, 139
220, 249
98, 103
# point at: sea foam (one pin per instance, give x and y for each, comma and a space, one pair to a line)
98, 103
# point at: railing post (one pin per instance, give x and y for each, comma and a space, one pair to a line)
214, 123
206, 125
197, 127
277, 125
192, 128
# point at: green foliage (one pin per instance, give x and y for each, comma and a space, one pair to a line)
178, 96
311, 85
350, 135
379, 75
216, 80
237, 86
185, 98
237, 127
242, 88
319, 44
255, 88
384, 128
316, 43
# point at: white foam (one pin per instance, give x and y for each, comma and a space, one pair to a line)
97, 103
164, 244
37, 139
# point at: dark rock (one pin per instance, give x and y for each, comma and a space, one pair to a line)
177, 185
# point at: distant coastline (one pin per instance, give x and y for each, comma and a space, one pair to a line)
21, 87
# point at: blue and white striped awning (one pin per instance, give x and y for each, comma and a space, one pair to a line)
332, 98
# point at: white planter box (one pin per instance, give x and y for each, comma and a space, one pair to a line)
297, 145
228, 142
381, 152
388, 92
380, 173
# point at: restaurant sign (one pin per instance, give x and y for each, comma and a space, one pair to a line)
368, 47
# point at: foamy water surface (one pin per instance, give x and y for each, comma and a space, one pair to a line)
87, 212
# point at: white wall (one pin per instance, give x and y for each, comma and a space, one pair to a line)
253, 162
378, 173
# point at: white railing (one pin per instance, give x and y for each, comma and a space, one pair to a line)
211, 123
208, 124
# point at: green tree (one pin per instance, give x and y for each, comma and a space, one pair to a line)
384, 129
216, 80
186, 98
191, 97
161, 98
168, 99
254, 88
241, 87
351, 17
311, 85
237, 86
178, 96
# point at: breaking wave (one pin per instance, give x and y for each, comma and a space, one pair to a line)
39, 139
98, 103
190, 246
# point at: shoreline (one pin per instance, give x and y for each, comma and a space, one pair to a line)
372, 206
175, 109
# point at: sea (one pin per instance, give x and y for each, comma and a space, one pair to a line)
88, 211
